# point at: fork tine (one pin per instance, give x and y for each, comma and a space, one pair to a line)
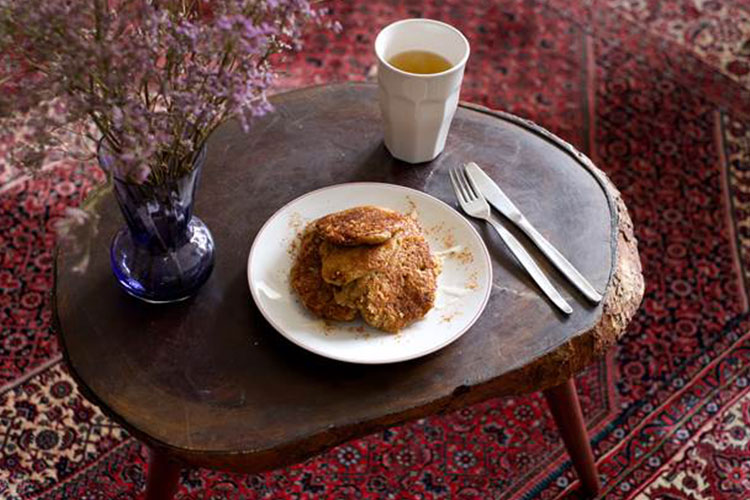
473, 184
468, 195
473, 193
456, 187
459, 188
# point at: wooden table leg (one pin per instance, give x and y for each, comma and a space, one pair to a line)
163, 476
566, 409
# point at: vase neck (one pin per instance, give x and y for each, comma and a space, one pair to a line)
157, 215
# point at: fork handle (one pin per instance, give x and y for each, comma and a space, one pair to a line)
560, 262
530, 265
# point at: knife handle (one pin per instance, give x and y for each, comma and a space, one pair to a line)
559, 261
523, 257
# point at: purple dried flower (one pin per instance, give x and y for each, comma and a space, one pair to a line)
155, 78
75, 232
140, 173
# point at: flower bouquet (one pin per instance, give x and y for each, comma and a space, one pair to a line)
142, 84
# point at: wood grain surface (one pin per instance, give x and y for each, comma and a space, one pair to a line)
212, 384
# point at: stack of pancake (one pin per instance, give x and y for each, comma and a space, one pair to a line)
367, 261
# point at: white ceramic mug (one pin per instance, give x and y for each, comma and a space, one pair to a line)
418, 109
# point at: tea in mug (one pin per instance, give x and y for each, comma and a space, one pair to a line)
421, 62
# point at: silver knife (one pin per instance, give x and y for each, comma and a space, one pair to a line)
502, 203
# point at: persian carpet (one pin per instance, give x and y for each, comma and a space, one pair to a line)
658, 94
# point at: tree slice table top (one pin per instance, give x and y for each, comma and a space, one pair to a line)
209, 381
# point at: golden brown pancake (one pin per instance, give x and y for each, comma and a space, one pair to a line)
399, 294
369, 261
366, 225
306, 279
342, 265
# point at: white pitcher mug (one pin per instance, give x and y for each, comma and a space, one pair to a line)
418, 109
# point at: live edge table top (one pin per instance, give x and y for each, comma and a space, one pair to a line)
209, 381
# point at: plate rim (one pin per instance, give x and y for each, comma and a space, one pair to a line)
437, 347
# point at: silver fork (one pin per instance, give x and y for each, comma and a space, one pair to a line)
475, 205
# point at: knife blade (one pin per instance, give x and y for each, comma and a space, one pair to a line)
505, 206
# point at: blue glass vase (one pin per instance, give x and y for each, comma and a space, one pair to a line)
163, 253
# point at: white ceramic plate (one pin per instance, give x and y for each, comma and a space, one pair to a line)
463, 286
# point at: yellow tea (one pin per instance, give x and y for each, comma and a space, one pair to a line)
420, 62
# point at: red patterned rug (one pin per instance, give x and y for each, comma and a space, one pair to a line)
657, 93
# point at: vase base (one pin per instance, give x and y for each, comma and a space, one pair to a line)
161, 277
155, 302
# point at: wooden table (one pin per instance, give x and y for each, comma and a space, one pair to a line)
208, 383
